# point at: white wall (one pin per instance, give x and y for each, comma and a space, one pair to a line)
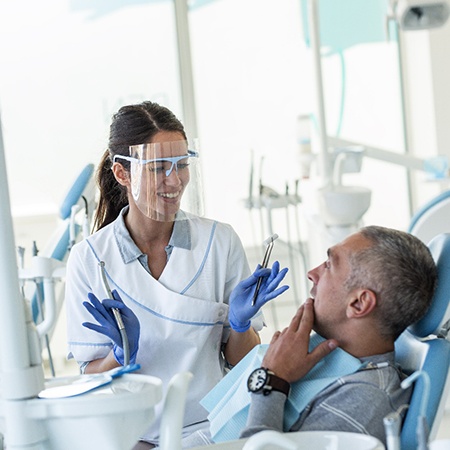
428, 101
253, 78
66, 70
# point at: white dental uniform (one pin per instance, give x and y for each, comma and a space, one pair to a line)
183, 315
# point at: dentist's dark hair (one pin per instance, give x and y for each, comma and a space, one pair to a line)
131, 125
399, 268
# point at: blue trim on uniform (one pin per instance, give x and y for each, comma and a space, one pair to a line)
161, 316
169, 319
211, 236
90, 344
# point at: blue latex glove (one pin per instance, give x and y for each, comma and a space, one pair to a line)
241, 309
102, 313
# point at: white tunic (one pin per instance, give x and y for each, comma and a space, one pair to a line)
183, 315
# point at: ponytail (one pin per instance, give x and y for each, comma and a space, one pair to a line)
113, 196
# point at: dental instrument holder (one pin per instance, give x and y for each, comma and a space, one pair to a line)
392, 427
265, 263
422, 429
117, 317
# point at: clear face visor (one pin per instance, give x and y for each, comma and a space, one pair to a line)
165, 180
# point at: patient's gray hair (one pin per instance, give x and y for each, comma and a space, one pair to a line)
401, 271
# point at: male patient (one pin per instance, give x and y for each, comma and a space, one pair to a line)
372, 286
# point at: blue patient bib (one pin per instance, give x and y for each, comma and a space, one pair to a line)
228, 402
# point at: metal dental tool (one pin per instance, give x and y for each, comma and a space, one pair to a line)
117, 316
269, 242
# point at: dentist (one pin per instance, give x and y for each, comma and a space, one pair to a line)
175, 275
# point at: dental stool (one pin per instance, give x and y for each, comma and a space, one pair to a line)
424, 347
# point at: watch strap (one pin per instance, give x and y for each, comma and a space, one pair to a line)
275, 383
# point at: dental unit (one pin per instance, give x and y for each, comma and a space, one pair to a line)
112, 417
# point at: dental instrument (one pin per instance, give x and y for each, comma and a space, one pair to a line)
85, 225
117, 317
269, 204
40, 301
301, 246
72, 232
63, 387
34, 250
269, 242
21, 255
290, 244
73, 225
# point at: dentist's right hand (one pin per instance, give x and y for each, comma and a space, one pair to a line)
103, 314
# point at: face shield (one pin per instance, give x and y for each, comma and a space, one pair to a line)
165, 180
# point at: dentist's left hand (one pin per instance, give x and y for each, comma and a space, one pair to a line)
102, 313
241, 309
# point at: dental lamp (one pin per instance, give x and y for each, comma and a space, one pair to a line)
421, 14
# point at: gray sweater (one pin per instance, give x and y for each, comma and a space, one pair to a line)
355, 403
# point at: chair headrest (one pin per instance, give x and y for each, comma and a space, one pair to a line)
425, 208
439, 311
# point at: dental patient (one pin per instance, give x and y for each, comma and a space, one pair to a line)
372, 286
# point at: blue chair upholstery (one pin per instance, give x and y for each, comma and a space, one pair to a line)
76, 191
424, 346
432, 219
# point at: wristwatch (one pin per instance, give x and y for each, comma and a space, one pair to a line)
263, 381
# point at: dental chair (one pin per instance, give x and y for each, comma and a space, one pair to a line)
432, 218
46, 298
81, 194
424, 347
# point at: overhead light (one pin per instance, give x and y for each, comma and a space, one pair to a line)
421, 14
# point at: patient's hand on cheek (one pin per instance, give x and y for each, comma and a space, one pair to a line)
288, 356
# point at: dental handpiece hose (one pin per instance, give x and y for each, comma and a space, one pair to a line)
117, 317
269, 242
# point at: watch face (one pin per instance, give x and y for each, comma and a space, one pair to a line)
257, 380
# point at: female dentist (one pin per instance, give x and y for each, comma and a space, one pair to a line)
175, 276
